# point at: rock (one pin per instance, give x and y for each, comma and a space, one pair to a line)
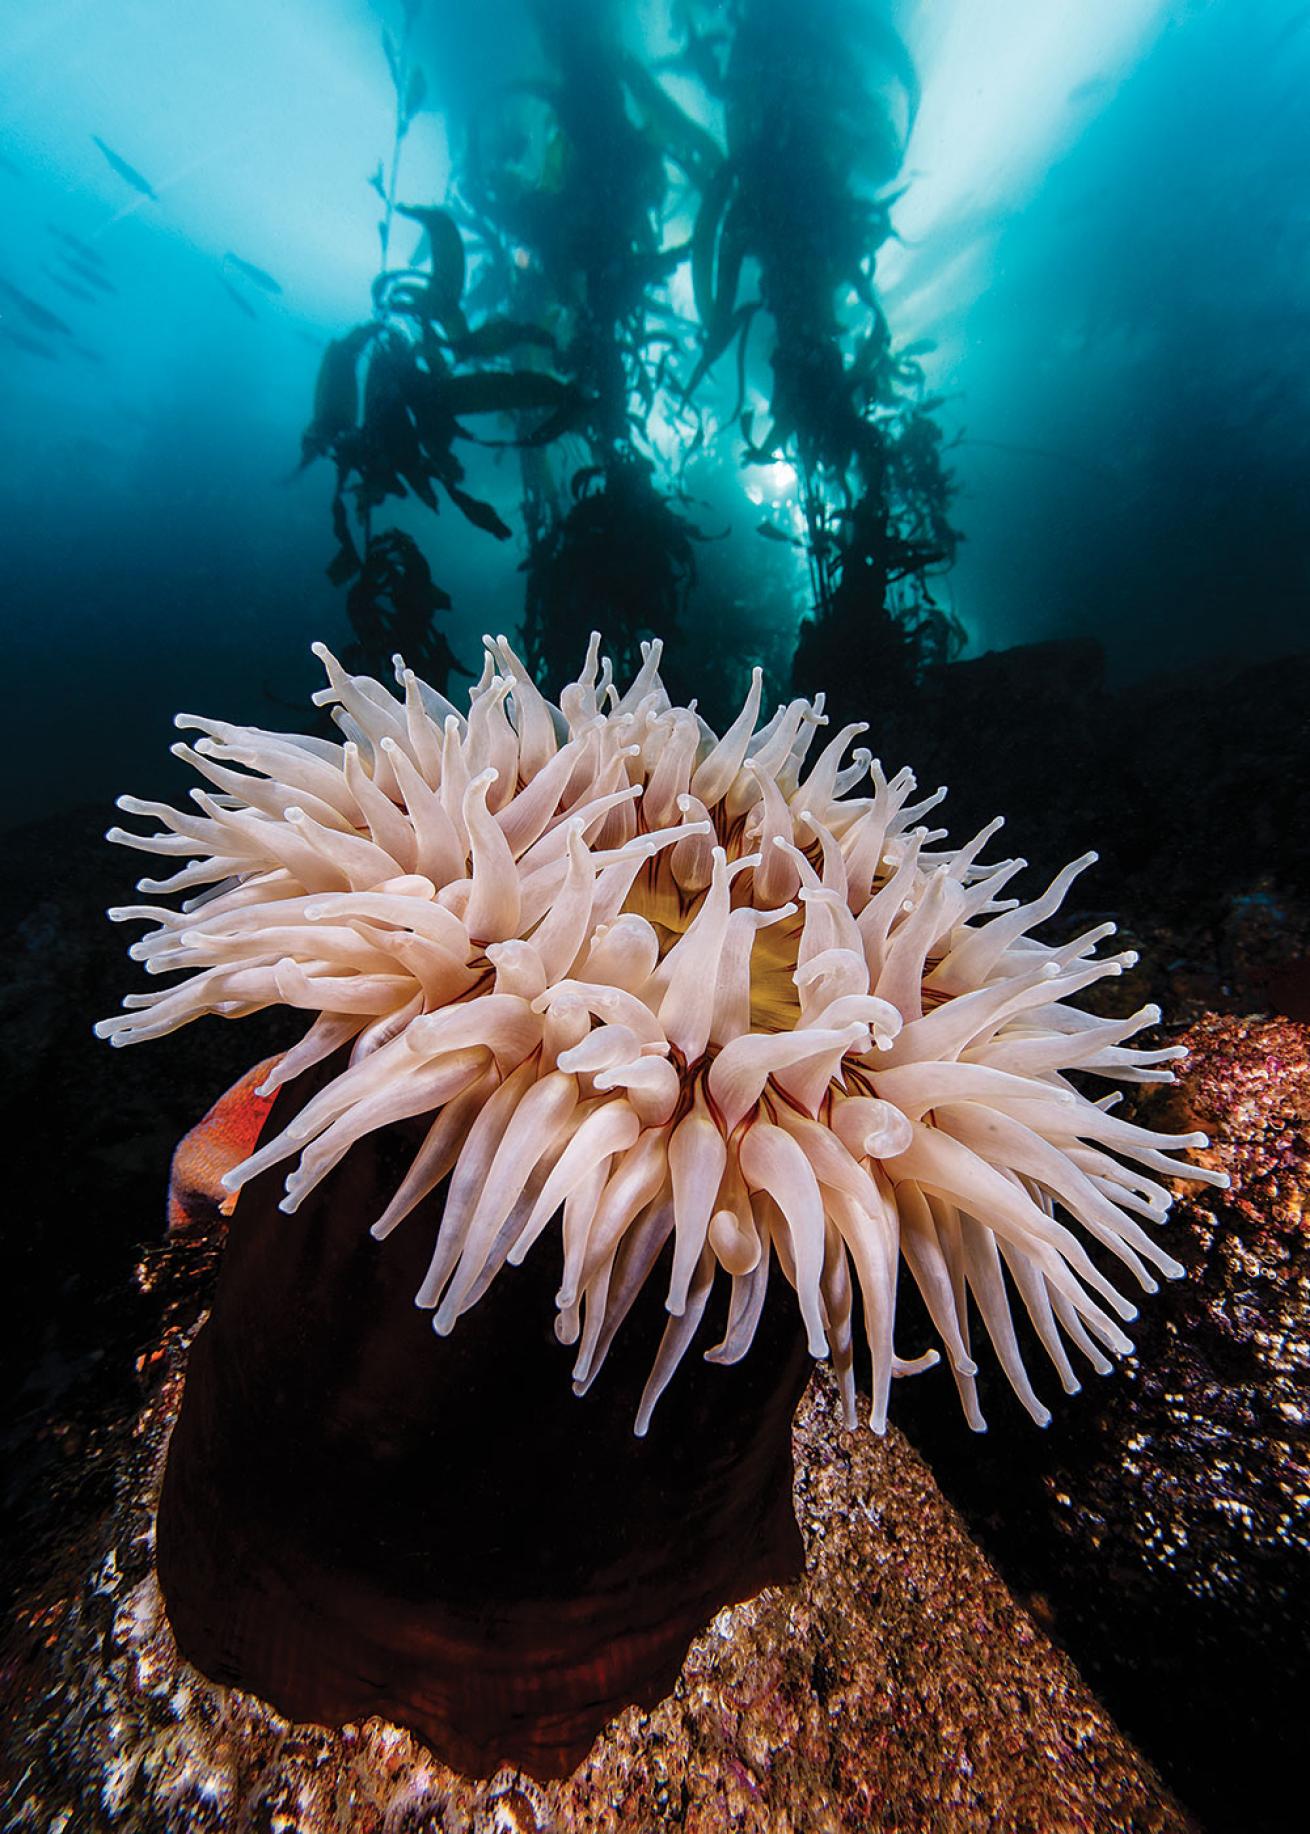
1192, 787
1162, 1526
96, 1128
897, 1686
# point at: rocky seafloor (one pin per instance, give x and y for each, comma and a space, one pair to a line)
897, 1685
1100, 1626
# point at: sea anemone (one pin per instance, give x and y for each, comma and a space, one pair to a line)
648, 983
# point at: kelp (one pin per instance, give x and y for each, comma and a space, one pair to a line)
390, 403
620, 559
392, 604
570, 169
391, 400
538, 313
816, 106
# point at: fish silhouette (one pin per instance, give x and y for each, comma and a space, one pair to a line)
93, 276
33, 346
71, 287
34, 312
260, 276
238, 299
125, 171
82, 250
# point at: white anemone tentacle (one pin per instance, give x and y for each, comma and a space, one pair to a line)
667, 999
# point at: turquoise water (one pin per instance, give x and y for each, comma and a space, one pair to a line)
1099, 260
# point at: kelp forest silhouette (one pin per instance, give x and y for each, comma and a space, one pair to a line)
633, 293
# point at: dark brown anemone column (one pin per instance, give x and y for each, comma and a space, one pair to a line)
360, 1517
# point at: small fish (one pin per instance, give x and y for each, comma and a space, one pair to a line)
1083, 92
259, 275
33, 346
125, 171
238, 299
87, 354
34, 312
84, 251
93, 276
227, 1135
71, 287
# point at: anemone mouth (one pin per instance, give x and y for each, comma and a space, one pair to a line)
649, 983
660, 901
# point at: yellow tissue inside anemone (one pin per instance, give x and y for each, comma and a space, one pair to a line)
669, 910
775, 1006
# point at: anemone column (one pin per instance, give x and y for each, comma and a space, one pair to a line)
359, 1516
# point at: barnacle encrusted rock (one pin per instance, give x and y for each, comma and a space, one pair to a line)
650, 984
